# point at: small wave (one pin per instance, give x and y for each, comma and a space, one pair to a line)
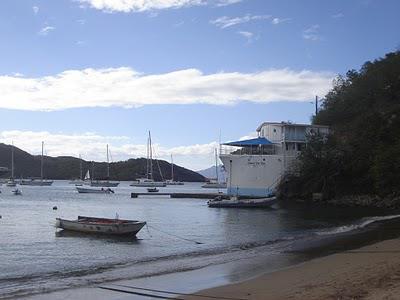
358, 225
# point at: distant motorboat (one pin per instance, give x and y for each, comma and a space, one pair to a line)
82, 190
146, 182
16, 192
214, 185
101, 225
153, 190
242, 202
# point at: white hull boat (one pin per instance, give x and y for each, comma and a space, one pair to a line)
36, 182
148, 183
100, 183
101, 225
214, 185
11, 183
242, 203
83, 190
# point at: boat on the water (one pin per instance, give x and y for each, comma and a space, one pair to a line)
83, 190
107, 182
101, 225
153, 190
215, 183
172, 181
148, 181
16, 192
11, 182
242, 202
37, 182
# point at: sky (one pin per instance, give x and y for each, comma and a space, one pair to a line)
80, 74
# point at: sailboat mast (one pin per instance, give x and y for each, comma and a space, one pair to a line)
41, 164
12, 160
151, 157
80, 168
216, 164
147, 159
172, 169
108, 165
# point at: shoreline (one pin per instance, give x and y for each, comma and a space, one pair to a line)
369, 272
253, 272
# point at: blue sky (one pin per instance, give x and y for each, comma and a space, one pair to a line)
82, 73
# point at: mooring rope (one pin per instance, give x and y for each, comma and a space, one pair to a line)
174, 235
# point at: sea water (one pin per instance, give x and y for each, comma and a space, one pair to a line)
182, 234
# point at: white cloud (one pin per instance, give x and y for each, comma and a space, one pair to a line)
81, 21
124, 87
276, 21
248, 35
225, 22
312, 33
227, 2
338, 15
127, 6
35, 10
46, 30
92, 146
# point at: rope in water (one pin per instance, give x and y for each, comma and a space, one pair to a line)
174, 235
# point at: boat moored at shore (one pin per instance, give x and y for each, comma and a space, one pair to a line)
101, 225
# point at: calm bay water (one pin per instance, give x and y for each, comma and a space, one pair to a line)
34, 258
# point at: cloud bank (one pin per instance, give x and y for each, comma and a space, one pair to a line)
127, 6
124, 87
92, 146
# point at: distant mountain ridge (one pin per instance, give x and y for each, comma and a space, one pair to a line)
210, 173
67, 167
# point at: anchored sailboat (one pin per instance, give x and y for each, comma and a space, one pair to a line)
12, 182
171, 181
215, 184
149, 180
105, 183
41, 181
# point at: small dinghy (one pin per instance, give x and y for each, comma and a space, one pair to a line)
242, 203
101, 225
16, 192
153, 190
82, 190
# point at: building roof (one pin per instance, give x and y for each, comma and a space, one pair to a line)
290, 124
260, 141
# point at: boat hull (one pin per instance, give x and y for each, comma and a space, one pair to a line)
104, 184
149, 184
243, 203
93, 191
214, 186
36, 182
101, 226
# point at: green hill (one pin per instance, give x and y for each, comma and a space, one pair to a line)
66, 167
362, 155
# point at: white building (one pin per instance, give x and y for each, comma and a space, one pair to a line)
256, 166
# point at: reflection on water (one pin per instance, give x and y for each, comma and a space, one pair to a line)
107, 238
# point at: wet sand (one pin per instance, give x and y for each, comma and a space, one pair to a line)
370, 272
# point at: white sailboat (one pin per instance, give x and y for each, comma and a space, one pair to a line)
38, 182
11, 182
105, 183
149, 180
172, 181
215, 184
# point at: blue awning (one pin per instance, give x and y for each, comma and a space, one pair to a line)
260, 141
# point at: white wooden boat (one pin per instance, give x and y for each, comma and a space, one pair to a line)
101, 225
242, 203
83, 190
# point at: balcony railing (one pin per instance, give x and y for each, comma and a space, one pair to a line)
256, 150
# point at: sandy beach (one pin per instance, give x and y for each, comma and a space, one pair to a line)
371, 272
